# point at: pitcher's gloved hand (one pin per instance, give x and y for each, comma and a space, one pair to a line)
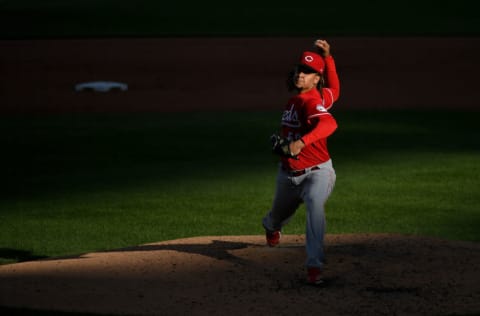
281, 146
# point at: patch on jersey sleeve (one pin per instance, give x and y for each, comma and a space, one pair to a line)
321, 108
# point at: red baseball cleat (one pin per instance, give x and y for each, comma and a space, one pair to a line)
273, 238
314, 276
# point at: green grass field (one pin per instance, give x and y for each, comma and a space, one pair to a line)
85, 182
150, 18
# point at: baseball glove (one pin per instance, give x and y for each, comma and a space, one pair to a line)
281, 146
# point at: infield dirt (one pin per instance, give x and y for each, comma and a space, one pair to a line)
239, 275
185, 74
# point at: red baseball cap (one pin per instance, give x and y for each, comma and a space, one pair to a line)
313, 60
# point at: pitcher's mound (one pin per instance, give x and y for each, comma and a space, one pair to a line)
367, 274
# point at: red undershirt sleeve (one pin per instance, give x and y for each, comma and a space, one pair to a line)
331, 76
324, 127
332, 87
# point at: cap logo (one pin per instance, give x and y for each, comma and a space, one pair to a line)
309, 58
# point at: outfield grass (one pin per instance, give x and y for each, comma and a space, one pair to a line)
120, 18
78, 183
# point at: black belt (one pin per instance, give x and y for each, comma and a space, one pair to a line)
296, 173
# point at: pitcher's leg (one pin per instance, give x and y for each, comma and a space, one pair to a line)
285, 203
316, 192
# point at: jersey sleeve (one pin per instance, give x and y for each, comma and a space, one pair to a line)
321, 123
331, 91
323, 127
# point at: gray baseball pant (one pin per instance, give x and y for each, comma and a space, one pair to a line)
312, 188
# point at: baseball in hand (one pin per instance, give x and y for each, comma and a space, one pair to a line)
323, 47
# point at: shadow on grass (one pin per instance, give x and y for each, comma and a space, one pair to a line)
18, 255
68, 155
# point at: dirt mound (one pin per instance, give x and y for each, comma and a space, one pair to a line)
367, 274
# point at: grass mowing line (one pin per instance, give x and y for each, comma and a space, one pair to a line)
121, 189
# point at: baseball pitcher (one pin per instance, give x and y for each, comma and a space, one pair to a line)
306, 173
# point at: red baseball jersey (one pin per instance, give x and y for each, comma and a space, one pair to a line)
306, 117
